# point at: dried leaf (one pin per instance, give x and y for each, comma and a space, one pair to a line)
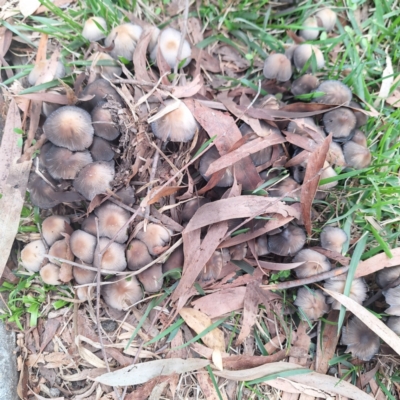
217, 359
272, 266
158, 193
140, 56
28, 7
387, 79
394, 99
188, 90
88, 355
207, 387
378, 262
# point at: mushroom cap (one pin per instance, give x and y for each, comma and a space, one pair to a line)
264, 155
156, 238
178, 125
312, 303
328, 172
83, 246
358, 290
152, 278
48, 108
62, 163
336, 93
277, 66
32, 255
386, 276
335, 155
333, 238
261, 245
394, 324
340, 122
213, 267
284, 188
69, 127
169, 40
50, 274
61, 249
175, 260
356, 156
327, 18
205, 161
127, 195
89, 225
301, 126
101, 150
53, 227
111, 219
91, 30
108, 71
288, 242
114, 257
310, 29
314, 263
361, 342
360, 138
101, 89
362, 118
304, 52
103, 123
392, 297
305, 84
83, 276
82, 293
154, 39
238, 252
123, 293
125, 37
137, 255
95, 178
190, 207
39, 68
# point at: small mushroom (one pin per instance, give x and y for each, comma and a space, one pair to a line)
333, 238
310, 29
50, 274
137, 255
326, 19
89, 225
304, 52
284, 188
288, 242
386, 276
102, 90
362, 118
152, 278
190, 207
101, 150
305, 84
122, 293
213, 267
277, 66
32, 255
91, 30
53, 228
264, 155
335, 155
114, 257
341, 122
392, 297
303, 126
61, 250
108, 71
126, 195
124, 37
40, 68
205, 161
335, 93
84, 293
360, 138
83, 276
394, 324
103, 122
156, 238
328, 172
83, 245
175, 260
111, 219
238, 252
261, 245
356, 156
314, 263
312, 303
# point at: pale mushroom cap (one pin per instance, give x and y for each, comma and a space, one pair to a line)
314, 263
111, 219
327, 18
101, 150
175, 260
356, 156
336, 93
168, 41
386, 276
53, 227
123, 293
328, 172
32, 255
362, 118
69, 127
95, 178
108, 71
137, 255
82, 293
304, 52
277, 66
205, 161
341, 122
310, 29
284, 188
50, 274
83, 276
361, 342
83, 246
358, 290
61, 249
114, 257
178, 125
48, 108
213, 267
154, 39
394, 324
392, 297
156, 238
335, 155
333, 238
101, 89
62, 163
103, 123
304, 84
287, 243
125, 37
312, 303
40, 67
89, 225
190, 207
152, 278
91, 31
262, 245
360, 138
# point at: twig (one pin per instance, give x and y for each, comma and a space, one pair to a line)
154, 166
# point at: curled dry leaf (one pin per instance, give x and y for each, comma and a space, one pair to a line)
377, 263
86, 354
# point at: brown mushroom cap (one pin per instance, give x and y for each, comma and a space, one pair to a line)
392, 297
69, 127
386, 276
310, 29
362, 118
178, 125
152, 278
83, 276
123, 293
262, 245
101, 89
108, 71
361, 342
101, 150
50, 274
190, 208
304, 52
333, 238
341, 122
83, 246
305, 84
103, 122
287, 243
360, 138
62, 163
356, 156
336, 93
205, 161
394, 324
91, 30
277, 66
312, 303
114, 257
156, 238
53, 227
335, 155
175, 260
238, 252
303, 126
94, 179
32, 255
264, 155
327, 18
314, 263
111, 219
124, 37
137, 255
213, 267
284, 188
89, 225
127, 195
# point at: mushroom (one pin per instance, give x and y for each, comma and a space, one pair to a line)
83, 245
362, 118
94, 28
122, 293
261, 245
60, 249
50, 274
102, 90
69, 127
333, 238
32, 255
361, 342
238, 252
303, 126
305, 84
335, 155
152, 278
312, 303
168, 41
326, 18
154, 39
113, 258
304, 52
84, 293
392, 297
156, 238
314, 263
126, 195
125, 38
40, 68
205, 161
103, 122
83, 276
101, 150
277, 66
53, 228
394, 324
108, 71
328, 172
359, 138
356, 156
310, 29
137, 255
174, 261
94, 179
335, 93
89, 225
48, 108
264, 155
177, 125
62, 163
358, 290
386, 276
341, 122
288, 242
284, 188
190, 207
213, 267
